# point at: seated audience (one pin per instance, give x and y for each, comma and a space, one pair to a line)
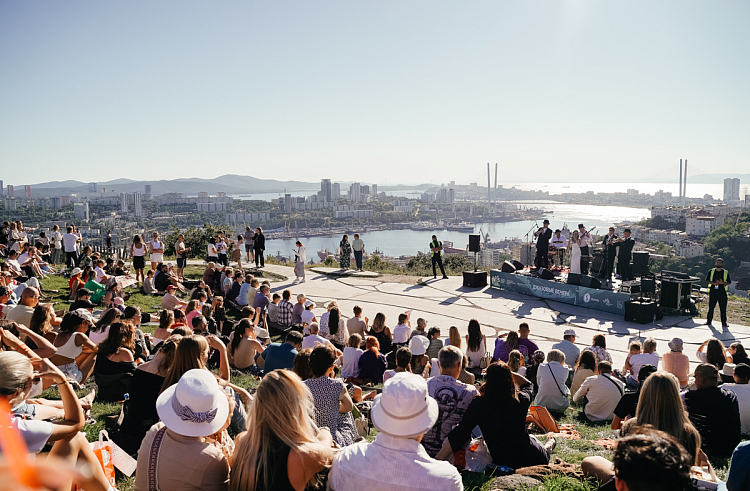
476, 346
649, 356
355, 325
567, 346
314, 338
140, 413
629, 401
302, 364
298, 309
285, 311
76, 354
244, 348
166, 322
453, 398
337, 331
741, 389
739, 470
500, 412
190, 410
403, 358
551, 376
676, 362
115, 363
149, 288
284, 450
712, 351
602, 393
714, 412
503, 347
648, 460
372, 363
531, 372
523, 340
170, 302
247, 291
599, 348
403, 413
738, 354
97, 289
281, 355
515, 363
333, 405
75, 283
382, 333
435, 343
100, 331
23, 312
350, 363
402, 331
419, 362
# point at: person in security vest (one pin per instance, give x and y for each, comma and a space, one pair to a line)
718, 279
436, 248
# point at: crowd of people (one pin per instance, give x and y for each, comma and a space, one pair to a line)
318, 390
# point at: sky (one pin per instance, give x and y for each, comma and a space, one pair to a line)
382, 91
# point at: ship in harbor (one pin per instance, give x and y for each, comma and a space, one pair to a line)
460, 227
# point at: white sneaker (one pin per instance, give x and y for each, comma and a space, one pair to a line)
302, 280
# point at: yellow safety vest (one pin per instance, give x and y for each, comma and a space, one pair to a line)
438, 244
713, 272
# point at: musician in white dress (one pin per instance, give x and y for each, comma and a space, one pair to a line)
575, 252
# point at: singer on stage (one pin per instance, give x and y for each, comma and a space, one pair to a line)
610, 252
586, 246
543, 236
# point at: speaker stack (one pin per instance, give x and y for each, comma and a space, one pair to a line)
574, 278
473, 243
546, 274
640, 263
591, 282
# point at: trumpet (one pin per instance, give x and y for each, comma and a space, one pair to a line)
612, 240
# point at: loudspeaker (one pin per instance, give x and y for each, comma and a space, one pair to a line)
648, 285
473, 243
640, 312
596, 264
518, 265
574, 278
508, 267
640, 263
546, 274
590, 282
475, 279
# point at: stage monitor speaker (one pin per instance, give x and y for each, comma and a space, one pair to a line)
641, 312
591, 282
475, 279
675, 294
546, 274
473, 243
507, 267
597, 264
574, 278
518, 265
648, 285
640, 263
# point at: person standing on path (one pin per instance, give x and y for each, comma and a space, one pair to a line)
436, 248
181, 253
358, 246
249, 243
345, 249
299, 263
259, 245
156, 250
718, 279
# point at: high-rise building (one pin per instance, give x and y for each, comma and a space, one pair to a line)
287, 203
92, 187
731, 189
335, 191
137, 204
11, 193
27, 192
64, 201
124, 203
203, 194
326, 190
81, 210
374, 189
2, 189
355, 192
147, 194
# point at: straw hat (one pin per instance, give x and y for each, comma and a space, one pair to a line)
405, 408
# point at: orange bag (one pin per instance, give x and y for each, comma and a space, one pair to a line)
541, 417
104, 451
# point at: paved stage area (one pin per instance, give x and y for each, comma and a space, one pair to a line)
446, 303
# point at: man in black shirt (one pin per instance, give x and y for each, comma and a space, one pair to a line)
714, 412
718, 279
629, 402
436, 249
543, 235
624, 255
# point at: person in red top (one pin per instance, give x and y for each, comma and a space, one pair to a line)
75, 283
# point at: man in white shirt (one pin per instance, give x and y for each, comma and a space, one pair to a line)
55, 239
453, 398
741, 389
396, 461
567, 346
561, 243
602, 393
13, 265
313, 339
70, 240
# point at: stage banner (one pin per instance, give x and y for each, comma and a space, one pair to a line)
561, 292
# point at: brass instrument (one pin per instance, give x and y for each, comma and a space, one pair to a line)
611, 241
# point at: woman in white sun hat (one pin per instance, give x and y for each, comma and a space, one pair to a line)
402, 413
175, 454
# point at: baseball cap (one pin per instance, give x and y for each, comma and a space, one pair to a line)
569, 332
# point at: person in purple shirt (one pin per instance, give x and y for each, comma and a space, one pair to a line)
261, 302
523, 339
299, 307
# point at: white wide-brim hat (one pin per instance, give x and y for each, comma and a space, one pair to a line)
405, 408
194, 406
418, 345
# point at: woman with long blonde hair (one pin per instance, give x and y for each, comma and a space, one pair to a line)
660, 406
283, 450
454, 337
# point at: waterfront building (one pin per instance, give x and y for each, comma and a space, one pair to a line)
326, 190
731, 189
335, 191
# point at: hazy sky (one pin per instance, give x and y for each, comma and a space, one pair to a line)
376, 91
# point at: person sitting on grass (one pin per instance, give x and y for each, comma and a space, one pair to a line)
551, 376
403, 358
741, 388
97, 289
500, 412
602, 393
626, 408
281, 355
148, 283
372, 363
76, 354
244, 348
170, 302
115, 364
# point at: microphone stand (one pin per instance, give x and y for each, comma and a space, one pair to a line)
528, 242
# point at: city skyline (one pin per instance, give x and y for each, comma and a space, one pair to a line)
284, 91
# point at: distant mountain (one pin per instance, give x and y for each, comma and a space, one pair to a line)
229, 183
